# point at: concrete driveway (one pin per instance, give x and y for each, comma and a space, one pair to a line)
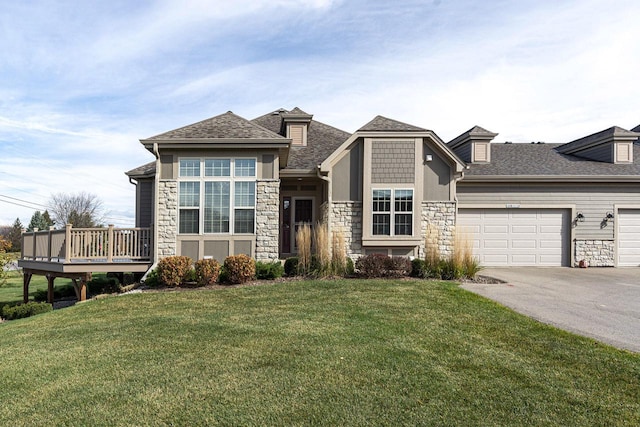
601, 303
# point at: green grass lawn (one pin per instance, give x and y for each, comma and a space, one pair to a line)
346, 352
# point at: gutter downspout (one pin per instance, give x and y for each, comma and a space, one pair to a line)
156, 191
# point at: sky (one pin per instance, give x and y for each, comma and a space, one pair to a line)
82, 82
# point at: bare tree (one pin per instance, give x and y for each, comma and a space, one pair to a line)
80, 210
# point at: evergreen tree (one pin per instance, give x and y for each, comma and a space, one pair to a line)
15, 236
40, 221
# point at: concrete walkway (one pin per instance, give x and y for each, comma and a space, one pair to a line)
601, 303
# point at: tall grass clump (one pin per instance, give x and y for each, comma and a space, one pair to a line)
460, 264
321, 249
338, 254
463, 253
303, 242
432, 250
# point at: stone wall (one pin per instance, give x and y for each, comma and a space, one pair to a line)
438, 222
597, 253
167, 222
346, 218
267, 219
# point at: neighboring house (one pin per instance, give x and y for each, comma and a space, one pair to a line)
228, 185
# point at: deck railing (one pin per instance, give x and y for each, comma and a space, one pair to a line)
88, 244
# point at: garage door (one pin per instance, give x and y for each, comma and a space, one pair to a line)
517, 237
629, 238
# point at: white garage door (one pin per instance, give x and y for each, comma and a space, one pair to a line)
513, 237
628, 238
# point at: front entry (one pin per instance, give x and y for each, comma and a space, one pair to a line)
294, 212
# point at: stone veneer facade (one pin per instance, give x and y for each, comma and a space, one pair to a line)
346, 218
438, 219
167, 223
267, 219
597, 253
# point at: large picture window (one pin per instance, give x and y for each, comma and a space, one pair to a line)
392, 212
221, 199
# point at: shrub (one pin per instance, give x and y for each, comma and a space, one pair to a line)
25, 310
349, 267
269, 270
291, 266
174, 270
104, 285
419, 268
373, 265
239, 269
207, 272
398, 266
152, 280
63, 291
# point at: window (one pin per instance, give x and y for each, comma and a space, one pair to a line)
396, 217
227, 201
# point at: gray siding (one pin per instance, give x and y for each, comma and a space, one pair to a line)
601, 153
267, 166
393, 162
347, 176
464, 152
594, 200
144, 216
166, 166
437, 177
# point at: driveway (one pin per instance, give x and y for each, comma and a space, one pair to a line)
601, 303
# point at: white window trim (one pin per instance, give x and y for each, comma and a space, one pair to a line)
232, 178
392, 213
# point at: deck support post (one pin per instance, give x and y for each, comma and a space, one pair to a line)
50, 279
26, 279
80, 286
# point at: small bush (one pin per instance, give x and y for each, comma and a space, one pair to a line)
104, 285
207, 272
152, 280
419, 268
398, 266
174, 270
373, 265
25, 310
291, 266
349, 267
63, 291
269, 270
239, 269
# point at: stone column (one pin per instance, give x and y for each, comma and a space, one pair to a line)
167, 221
267, 219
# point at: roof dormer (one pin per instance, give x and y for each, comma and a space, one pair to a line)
613, 145
296, 125
473, 146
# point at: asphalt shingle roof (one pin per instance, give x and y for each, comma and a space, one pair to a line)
146, 170
224, 126
545, 160
384, 124
587, 140
322, 139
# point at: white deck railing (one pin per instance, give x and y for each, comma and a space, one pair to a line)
88, 244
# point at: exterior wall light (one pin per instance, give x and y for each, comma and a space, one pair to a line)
580, 217
428, 158
609, 216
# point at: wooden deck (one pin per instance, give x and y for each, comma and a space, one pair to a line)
76, 253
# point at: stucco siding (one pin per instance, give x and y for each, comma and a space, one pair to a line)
437, 177
593, 200
347, 176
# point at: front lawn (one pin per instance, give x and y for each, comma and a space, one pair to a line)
347, 352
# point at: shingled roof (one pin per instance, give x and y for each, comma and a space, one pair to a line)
384, 124
598, 137
543, 160
145, 171
224, 126
322, 139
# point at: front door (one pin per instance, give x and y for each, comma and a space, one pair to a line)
295, 212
